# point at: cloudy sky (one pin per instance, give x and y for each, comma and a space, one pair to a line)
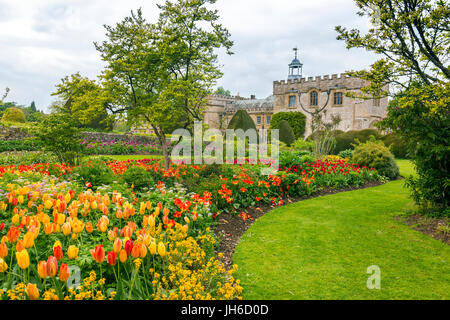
43, 41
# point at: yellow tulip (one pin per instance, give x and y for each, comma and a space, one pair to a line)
61, 219
66, 229
48, 204
72, 252
23, 259
3, 266
161, 249
28, 239
15, 219
152, 248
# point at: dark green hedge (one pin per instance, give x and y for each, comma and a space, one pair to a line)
296, 120
396, 144
19, 145
345, 140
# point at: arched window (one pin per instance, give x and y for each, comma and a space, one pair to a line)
313, 98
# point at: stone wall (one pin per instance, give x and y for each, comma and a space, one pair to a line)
106, 137
15, 133
12, 133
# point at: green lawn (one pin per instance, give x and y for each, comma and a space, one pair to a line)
130, 157
321, 249
406, 167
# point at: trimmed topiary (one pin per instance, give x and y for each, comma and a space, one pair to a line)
14, 115
374, 154
286, 133
296, 120
241, 120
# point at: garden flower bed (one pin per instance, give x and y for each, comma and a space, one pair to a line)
129, 240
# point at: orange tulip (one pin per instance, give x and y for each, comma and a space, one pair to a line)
123, 256
52, 266
58, 253
32, 291
42, 269
20, 246
117, 245
64, 272
13, 234
98, 253
135, 252
89, 227
3, 250
23, 259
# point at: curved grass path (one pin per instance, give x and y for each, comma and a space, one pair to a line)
321, 249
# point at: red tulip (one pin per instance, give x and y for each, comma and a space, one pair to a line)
98, 253
111, 257
128, 246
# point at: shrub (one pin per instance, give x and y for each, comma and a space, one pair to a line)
290, 158
138, 177
303, 145
396, 144
13, 115
345, 140
296, 120
94, 171
307, 158
241, 120
286, 133
346, 153
374, 154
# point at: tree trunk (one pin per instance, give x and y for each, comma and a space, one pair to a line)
165, 151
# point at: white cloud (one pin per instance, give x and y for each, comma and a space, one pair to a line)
43, 41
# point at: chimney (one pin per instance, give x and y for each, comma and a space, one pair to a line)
252, 97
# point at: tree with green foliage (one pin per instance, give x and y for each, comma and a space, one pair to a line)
286, 133
222, 92
296, 120
14, 115
59, 134
412, 35
33, 107
241, 120
161, 73
84, 100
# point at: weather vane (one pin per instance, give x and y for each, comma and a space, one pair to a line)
296, 50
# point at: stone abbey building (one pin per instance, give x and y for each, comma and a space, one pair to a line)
302, 95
